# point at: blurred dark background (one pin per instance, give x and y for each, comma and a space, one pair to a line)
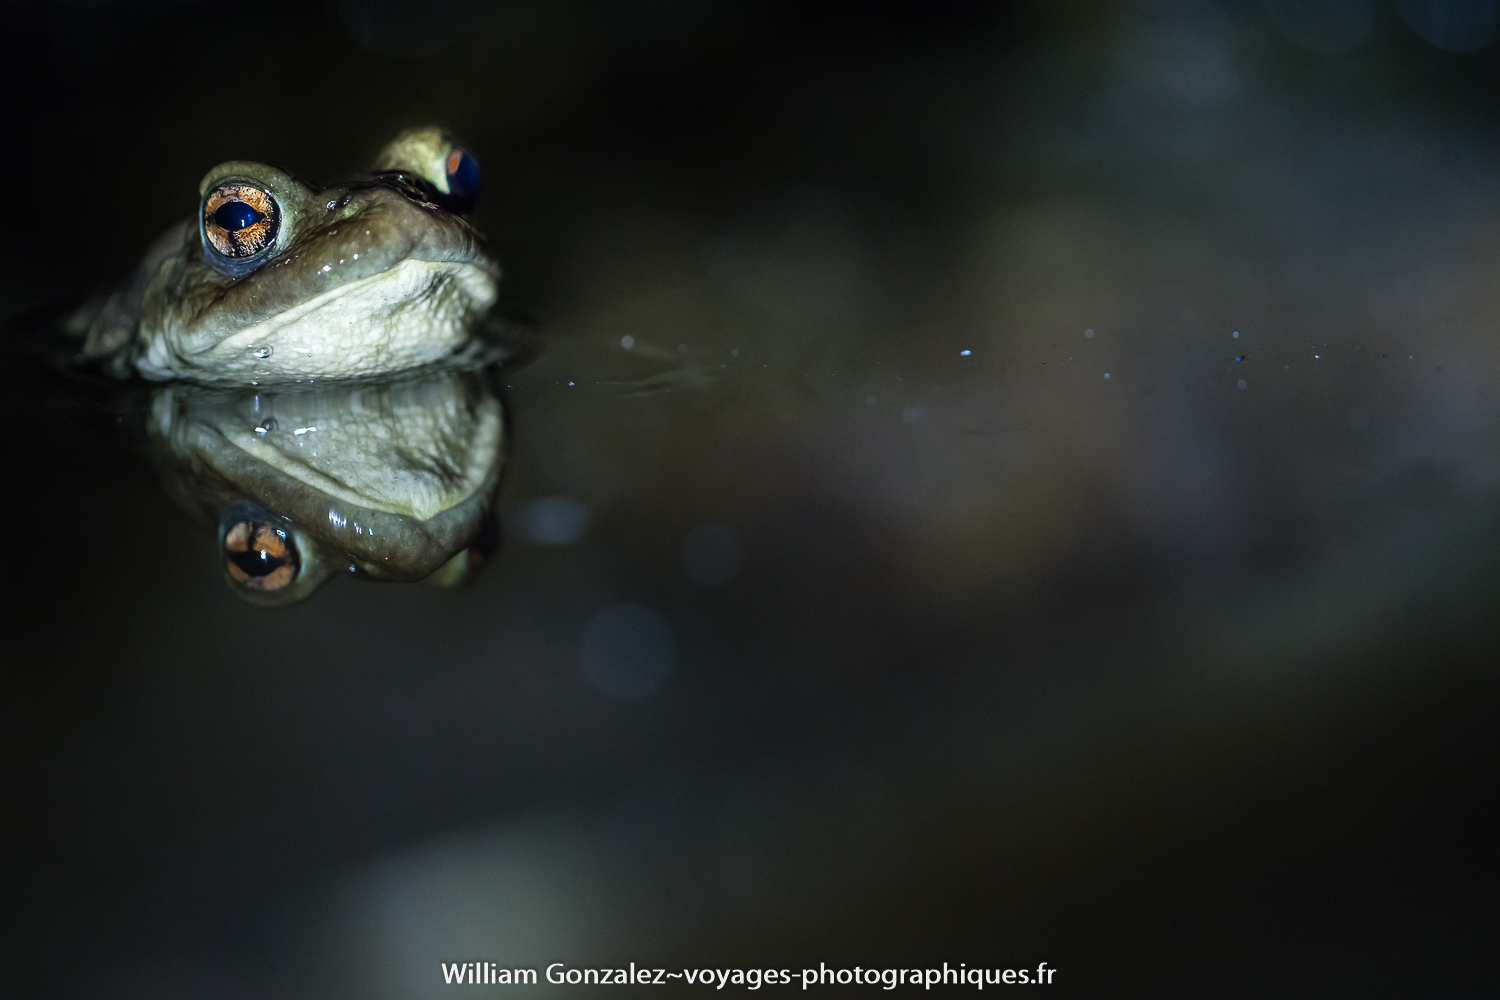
850, 613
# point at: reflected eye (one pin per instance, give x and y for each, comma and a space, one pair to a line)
259, 557
463, 175
240, 220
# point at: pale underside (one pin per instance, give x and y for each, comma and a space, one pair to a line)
413, 314
417, 458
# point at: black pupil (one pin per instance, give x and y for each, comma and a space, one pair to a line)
253, 561
233, 216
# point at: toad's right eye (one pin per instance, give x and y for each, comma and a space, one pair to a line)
240, 221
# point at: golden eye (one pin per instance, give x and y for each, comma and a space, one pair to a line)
259, 557
240, 220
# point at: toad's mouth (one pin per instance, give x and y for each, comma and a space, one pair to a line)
411, 314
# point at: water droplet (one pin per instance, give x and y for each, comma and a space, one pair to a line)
1241, 384
627, 342
262, 352
1236, 335
266, 426
1088, 333
965, 354
1106, 374
735, 353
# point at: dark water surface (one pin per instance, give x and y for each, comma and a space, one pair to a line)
1000, 485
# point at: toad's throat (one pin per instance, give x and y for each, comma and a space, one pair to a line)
412, 314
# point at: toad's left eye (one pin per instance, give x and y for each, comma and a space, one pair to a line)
463, 176
240, 220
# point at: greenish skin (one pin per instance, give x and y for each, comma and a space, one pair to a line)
364, 278
392, 481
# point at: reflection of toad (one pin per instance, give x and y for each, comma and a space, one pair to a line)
259, 557
275, 280
391, 481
